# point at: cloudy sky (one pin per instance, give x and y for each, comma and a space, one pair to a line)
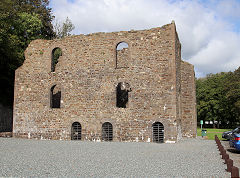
209, 30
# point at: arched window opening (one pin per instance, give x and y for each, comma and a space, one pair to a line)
56, 53
107, 131
122, 55
122, 90
158, 132
55, 97
76, 132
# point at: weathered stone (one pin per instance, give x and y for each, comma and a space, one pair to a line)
160, 87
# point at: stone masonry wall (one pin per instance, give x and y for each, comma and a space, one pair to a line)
188, 99
122, 58
178, 83
87, 75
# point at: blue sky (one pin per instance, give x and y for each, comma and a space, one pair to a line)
209, 30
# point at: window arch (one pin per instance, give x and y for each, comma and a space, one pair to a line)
55, 96
56, 53
107, 131
76, 131
122, 90
122, 55
158, 132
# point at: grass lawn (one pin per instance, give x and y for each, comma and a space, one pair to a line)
212, 132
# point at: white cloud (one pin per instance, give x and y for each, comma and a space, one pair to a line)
229, 8
208, 38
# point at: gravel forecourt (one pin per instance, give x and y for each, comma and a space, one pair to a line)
54, 158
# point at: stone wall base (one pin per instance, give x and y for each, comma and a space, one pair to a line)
5, 134
85, 137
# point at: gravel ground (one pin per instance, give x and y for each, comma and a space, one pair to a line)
48, 158
233, 153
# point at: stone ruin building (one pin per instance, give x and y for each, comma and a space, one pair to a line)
119, 86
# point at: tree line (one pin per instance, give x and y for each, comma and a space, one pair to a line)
218, 99
22, 21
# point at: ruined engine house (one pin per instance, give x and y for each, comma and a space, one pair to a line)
119, 86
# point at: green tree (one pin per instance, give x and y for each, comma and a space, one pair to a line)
20, 22
63, 29
232, 88
212, 103
57, 52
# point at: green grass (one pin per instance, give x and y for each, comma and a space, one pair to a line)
212, 132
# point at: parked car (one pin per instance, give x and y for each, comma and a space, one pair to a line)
227, 135
235, 140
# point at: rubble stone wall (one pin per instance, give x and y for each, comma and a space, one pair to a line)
188, 99
87, 75
122, 58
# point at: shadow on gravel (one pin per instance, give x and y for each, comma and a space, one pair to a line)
225, 140
232, 150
